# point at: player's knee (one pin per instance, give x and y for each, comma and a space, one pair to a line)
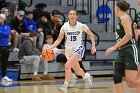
131, 83
117, 78
67, 66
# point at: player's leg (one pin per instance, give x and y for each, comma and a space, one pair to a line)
138, 77
68, 66
117, 77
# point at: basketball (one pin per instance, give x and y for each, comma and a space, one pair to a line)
48, 54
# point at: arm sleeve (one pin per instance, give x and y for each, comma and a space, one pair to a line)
35, 27
29, 48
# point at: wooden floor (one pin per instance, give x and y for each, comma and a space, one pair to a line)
100, 85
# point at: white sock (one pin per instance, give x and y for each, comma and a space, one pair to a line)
35, 73
85, 76
45, 72
66, 83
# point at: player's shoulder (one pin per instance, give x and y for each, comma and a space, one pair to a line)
66, 24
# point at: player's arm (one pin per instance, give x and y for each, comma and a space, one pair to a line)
58, 41
91, 36
126, 22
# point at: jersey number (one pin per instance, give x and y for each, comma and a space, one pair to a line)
73, 38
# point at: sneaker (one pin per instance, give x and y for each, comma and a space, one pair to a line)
63, 88
6, 79
48, 77
36, 78
4, 83
15, 50
88, 79
73, 76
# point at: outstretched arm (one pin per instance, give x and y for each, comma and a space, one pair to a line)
58, 41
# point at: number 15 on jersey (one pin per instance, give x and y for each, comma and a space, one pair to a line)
73, 38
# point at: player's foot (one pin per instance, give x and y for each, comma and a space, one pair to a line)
63, 88
88, 79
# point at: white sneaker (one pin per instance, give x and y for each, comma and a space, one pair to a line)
6, 79
88, 79
15, 50
73, 76
63, 88
4, 83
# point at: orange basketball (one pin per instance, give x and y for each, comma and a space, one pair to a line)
48, 54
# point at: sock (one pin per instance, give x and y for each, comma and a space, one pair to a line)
66, 84
45, 72
35, 73
85, 76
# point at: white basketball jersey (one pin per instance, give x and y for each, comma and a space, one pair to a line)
73, 34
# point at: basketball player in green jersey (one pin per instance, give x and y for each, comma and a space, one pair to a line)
127, 59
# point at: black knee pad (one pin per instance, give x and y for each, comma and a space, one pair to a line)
118, 72
117, 78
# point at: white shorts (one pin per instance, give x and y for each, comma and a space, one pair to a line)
79, 51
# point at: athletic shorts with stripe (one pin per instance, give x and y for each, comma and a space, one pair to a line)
129, 57
79, 51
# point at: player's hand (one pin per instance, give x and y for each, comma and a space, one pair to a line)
110, 50
93, 50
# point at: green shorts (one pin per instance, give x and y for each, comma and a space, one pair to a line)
129, 57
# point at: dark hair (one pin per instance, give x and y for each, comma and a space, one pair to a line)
55, 12
123, 5
46, 15
29, 12
33, 34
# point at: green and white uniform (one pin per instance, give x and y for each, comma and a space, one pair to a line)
128, 53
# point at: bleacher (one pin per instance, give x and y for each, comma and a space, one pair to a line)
98, 64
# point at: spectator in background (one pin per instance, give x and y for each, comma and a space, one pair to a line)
14, 9
2, 4
18, 29
137, 20
39, 9
57, 23
31, 26
48, 42
27, 55
6, 12
22, 6
137, 17
4, 50
45, 24
56, 20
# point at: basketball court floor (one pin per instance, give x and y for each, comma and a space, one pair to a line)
100, 85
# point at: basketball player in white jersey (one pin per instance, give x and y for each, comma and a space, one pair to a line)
74, 50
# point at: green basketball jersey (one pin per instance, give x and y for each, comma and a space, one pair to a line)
120, 33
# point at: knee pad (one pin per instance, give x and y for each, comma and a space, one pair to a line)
117, 78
